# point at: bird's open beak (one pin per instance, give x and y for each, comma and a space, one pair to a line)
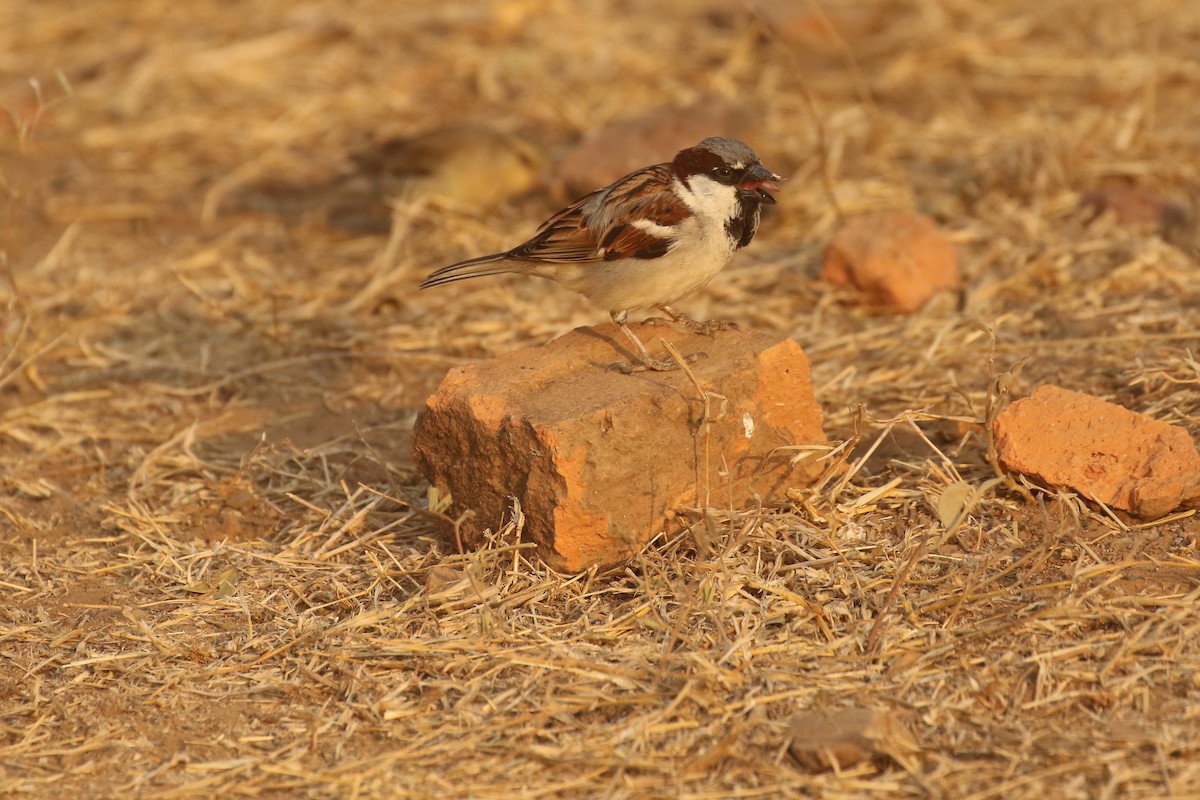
758, 184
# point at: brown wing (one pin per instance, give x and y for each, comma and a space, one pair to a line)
598, 227
563, 237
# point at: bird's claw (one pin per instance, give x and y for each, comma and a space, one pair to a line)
711, 327
652, 365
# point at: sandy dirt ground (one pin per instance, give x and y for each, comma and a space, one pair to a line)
221, 575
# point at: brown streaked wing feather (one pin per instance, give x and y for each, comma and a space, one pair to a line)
593, 228
563, 237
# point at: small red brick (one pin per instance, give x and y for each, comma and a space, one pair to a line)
1099, 449
1135, 205
825, 32
599, 459
898, 260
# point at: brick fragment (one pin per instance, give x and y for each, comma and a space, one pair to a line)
1135, 205
1101, 450
598, 459
825, 32
898, 260
651, 138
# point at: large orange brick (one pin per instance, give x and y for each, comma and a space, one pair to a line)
599, 459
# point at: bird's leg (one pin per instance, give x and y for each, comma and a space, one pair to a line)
705, 328
643, 354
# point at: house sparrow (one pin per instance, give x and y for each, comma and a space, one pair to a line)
647, 240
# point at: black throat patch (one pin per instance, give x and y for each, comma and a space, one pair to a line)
744, 224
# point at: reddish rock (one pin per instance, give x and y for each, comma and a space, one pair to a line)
1101, 450
630, 144
599, 459
1134, 205
897, 259
825, 32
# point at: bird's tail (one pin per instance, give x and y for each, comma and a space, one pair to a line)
473, 268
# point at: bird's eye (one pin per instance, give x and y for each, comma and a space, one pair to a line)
724, 171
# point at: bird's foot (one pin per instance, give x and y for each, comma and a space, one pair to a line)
644, 360
709, 328
652, 365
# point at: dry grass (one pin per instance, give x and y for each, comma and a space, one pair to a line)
218, 573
